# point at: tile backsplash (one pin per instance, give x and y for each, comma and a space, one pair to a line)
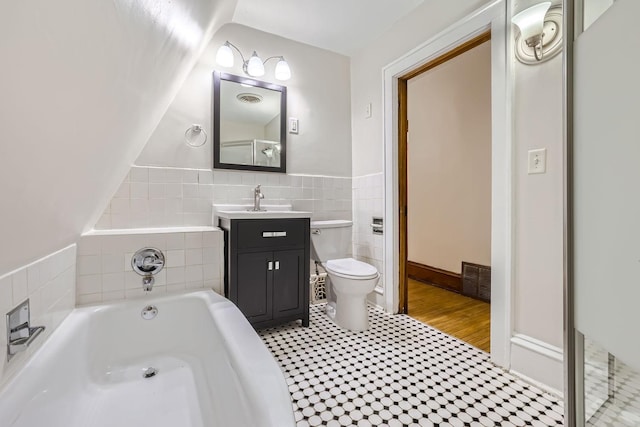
368, 197
49, 283
166, 197
193, 260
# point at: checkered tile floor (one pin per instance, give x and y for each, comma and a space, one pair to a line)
400, 372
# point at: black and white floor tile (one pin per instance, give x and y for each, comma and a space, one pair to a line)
400, 372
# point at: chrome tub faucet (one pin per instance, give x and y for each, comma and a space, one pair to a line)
147, 262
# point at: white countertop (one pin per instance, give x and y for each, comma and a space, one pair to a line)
271, 212
268, 214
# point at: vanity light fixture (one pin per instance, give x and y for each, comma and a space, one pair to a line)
540, 37
254, 66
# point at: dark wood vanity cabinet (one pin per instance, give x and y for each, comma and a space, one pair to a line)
267, 269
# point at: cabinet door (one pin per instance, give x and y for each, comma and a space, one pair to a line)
288, 282
255, 285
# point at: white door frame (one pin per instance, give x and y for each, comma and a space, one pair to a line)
492, 16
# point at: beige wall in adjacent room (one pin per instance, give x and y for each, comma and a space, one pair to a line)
449, 162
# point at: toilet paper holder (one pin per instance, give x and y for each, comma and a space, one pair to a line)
377, 225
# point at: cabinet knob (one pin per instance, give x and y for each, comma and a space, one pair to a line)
270, 265
277, 265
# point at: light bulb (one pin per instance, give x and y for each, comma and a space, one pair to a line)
531, 22
283, 72
255, 67
224, 57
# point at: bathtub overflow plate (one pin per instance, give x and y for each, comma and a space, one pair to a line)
149, 312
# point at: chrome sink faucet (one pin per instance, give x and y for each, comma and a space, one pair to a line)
257, 195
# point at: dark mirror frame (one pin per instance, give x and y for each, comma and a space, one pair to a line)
217, 77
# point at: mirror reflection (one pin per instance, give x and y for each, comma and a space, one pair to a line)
249, 124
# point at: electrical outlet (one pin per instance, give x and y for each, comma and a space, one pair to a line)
537, 161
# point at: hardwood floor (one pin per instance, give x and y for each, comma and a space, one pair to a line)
462, 317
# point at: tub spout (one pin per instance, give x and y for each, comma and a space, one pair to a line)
147, 283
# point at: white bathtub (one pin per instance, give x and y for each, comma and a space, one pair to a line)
213, 370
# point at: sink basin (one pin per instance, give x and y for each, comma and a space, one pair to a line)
229, 211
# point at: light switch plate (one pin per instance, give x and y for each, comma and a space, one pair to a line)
293, 125
537, 161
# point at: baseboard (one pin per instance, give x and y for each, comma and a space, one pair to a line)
376, 298
538, 363
436, 276
374, 305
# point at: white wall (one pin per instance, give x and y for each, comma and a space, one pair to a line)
318, 94
538, 202
366, 77
449, 162
83, 85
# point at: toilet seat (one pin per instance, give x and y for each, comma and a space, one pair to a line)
350, 268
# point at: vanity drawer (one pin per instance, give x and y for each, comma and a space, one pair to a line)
271, 233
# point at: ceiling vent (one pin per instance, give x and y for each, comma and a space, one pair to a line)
249, 98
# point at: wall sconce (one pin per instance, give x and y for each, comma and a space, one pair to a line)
254, 66
540, 37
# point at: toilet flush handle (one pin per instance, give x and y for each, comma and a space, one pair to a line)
315, 231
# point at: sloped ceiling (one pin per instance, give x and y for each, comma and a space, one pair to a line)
83, 84
337, 25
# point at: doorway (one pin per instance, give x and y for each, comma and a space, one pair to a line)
444, 168
491, 17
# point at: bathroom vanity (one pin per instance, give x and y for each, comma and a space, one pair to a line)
267, 264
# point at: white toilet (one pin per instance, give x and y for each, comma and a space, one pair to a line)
351, 280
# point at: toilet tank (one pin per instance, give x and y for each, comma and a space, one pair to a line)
330, 239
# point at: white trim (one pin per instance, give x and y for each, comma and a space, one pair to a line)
538, 346
374, 305
538, 384
492, 16
538, 363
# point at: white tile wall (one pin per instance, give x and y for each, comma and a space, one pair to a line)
368, 196
325, 196
160, 197
193, 259
49, 283
167, 197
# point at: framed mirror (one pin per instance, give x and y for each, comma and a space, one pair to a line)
249, 124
